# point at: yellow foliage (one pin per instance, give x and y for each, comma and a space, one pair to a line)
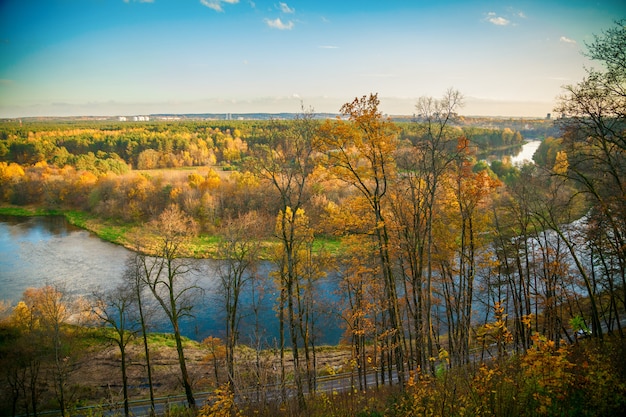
175, 192
195, 180
87, 178
10, 171
560, 164
221, 403
245, 180
23, 317
212, 180
547, 372
496, 332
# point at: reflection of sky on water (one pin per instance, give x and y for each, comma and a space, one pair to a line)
35, 251
527, 152
39, 250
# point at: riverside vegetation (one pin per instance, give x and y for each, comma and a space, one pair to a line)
467, 287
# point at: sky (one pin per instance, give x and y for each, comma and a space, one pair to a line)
135, 57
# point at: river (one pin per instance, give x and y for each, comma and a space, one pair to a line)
526, 154
35, 251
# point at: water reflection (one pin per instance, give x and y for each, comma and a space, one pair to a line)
35, 251
39, 250
517, 154
526, 153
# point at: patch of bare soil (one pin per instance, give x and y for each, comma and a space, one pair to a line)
96, 377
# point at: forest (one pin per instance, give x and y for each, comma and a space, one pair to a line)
468, 285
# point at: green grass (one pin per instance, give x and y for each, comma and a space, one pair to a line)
202, 246
156, 340
27, 211
205, 246
108, 230
115, 234
77, 218
330, 244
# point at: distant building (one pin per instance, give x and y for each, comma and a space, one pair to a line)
122, 118
548, 116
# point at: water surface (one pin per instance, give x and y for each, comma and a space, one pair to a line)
35, 251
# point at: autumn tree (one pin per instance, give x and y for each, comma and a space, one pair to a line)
215, 356
309, 267
23, 360
515, 231
51, 309
361, 153
435, 152
362, 295
285, 162
465, 219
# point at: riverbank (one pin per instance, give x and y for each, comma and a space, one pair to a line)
203, 246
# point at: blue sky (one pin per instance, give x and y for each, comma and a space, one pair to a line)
126, 57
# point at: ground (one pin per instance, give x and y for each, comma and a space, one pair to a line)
96, 378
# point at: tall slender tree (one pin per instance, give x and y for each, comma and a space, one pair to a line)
238, 251
116, 310
361, 153
286, 163
169, 279
436, 151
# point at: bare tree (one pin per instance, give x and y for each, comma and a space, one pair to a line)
116, 309
594, 124
238, 251
169, 280
136, 269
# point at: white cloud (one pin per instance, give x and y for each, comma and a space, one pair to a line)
285, 8
497, 20
278, 24
566, 40
217, 4
328, 47
140, 1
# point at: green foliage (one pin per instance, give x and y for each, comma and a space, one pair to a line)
27, 211
545, 156
167, 340
505, 171
578, 323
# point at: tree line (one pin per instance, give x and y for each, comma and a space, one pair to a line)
117, 147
